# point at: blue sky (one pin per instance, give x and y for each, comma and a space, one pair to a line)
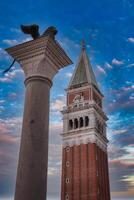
107, 27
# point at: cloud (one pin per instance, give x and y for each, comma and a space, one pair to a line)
128, 88
123, 97
8, 77
130, 39
119, 170
10, 125
68, 74
130, 65
117, 62
15, 42
5, 80
27, 39
57, 105
3, 54
2, 101
131, 97
9, 148
107, 65
121, 131
10, 42
129, 179
68, 44
15, 30
101, 70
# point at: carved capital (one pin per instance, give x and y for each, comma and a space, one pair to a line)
41, 57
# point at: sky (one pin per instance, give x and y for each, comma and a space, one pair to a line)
108, 30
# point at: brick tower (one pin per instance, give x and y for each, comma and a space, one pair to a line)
84, 154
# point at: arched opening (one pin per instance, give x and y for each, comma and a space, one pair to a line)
99, 127
86, 121
75, 123
70, 124
67, 180
67, 163
81, 122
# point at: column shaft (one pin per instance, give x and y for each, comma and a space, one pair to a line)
31, 181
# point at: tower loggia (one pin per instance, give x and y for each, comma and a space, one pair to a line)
84, 153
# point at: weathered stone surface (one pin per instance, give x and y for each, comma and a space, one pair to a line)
32, 170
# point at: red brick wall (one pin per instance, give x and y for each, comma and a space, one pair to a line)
85, 93
103, 179
84, 172
87, 173
63, 174
76, 173
92, 167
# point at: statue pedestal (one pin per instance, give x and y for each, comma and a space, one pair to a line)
40, 59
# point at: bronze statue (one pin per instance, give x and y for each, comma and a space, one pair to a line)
51, 31
33, 30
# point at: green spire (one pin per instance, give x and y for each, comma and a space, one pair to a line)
83, 72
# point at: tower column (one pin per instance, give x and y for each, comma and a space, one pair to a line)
40, 60
90, 168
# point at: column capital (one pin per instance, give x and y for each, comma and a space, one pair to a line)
41, 57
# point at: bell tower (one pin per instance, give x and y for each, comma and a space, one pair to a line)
84, 152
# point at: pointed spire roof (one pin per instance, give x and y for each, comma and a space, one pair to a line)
83, 72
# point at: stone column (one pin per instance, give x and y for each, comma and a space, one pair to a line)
40, 59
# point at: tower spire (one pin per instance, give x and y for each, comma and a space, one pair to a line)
83, 45
83, 73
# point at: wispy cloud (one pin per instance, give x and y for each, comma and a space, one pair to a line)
68, 44
109, 66
117, 62
121, 131
5, 80
57, 105
15, 42
3, 54
8, 77
68, 74
130, 65
15, 30
131, 39
101, 70
10, 42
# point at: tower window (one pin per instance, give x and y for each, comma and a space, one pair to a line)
67, 149
67, 163
70, 124
67, 180
81, 122
86, 121
67, 197
75, 123
100, 127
